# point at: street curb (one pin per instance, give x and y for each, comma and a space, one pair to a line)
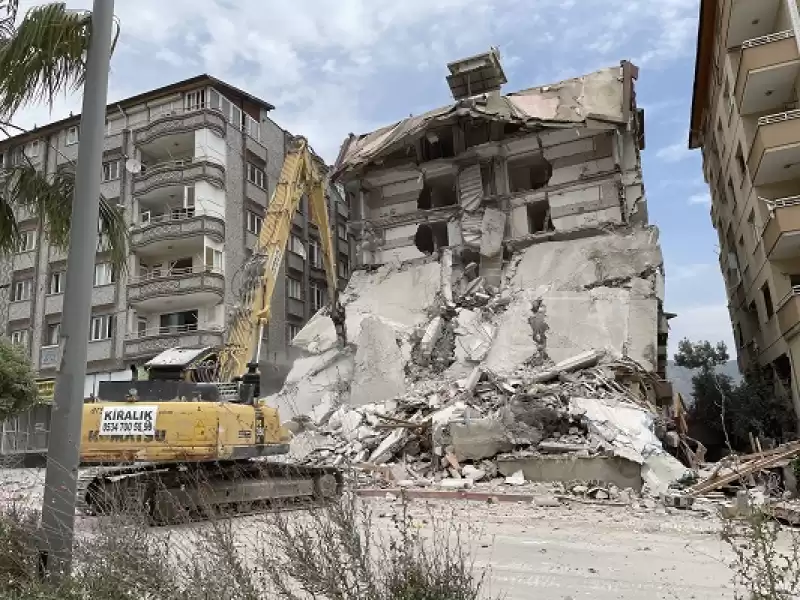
445, 495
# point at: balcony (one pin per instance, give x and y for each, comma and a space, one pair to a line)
181, 121
164, 291
153, 341
48, 357
750, 19
789, 313
158, 232
775, 153
768, 70
782, 233
179, 172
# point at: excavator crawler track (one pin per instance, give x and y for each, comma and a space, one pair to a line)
174, 493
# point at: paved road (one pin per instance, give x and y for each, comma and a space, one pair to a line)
591, 552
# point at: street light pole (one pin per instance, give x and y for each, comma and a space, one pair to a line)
63, 453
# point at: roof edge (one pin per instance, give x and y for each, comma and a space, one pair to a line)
705, 39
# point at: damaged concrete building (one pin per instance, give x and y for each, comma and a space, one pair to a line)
545, 183
502, 241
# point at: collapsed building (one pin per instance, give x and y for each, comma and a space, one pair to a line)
502, 242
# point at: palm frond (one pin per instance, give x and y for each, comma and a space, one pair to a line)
50, 199
9, 9
42, 56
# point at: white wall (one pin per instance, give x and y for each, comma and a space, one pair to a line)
208, 145
209, 200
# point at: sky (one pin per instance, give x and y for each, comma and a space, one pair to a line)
332, 67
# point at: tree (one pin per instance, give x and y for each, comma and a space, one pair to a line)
18, 391
733, 412
42, 55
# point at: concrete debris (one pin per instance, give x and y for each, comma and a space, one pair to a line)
378, 372
516, 479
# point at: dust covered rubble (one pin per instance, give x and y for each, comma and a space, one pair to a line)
445, 375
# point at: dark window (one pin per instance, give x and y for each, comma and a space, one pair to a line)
767, 300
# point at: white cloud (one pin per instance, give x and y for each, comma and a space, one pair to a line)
709, 322
703, 198
332, 72
682, 272
675, 152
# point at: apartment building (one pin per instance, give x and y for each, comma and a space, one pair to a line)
194, 165
550, 172
746, 120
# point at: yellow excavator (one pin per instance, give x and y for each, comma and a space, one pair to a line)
193, 437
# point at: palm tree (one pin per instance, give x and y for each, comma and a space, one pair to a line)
42, 55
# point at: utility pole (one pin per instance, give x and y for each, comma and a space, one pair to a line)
63, 452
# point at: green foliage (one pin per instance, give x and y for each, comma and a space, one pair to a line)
17, 385
40, 57
701, 355
754, 406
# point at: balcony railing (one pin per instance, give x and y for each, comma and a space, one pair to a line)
779, 117
170, 272
767, 39
147, 342
177, 224
158, 331
179, 172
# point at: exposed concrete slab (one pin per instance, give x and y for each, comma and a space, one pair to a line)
492, 229
473, 337
581, 263
611, 319
378, 373
513, 343
399, 297
622, 472
312, 380
481, 438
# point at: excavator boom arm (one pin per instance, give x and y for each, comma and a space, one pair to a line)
299, 176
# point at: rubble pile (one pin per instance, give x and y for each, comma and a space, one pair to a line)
447, 379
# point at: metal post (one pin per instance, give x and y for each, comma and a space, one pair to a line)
63, 454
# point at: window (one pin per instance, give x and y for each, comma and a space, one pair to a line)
214, 99
291, 331
27, 240
314, 254
317, 296
294, 288
20, 338
57, 281
33, 149
111, 170
195, 100
101, 328
256, 175
767, 296
21, 290
53, 333
214, 259
341, 230
297, 246
104, 274
740, 164
141, 327
251, 128
73, 135
254, 222
179, 321
342, 267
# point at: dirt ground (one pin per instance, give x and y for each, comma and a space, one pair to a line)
574, 550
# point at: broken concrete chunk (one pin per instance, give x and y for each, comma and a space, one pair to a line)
481, 438
378, 373
387, 448
516, 479
431, 336
472, 473
455, 484
350, 424
492, 231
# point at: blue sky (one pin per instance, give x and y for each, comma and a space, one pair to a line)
335, 67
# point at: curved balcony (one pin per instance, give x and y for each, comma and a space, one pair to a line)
782, 233
768, 69
203, 285
775, 152
153, 341
179, 172
176, 225
181, 121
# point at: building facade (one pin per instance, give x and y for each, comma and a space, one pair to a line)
746, 121
551, 172
193, 165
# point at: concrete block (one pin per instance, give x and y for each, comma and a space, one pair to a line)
621, 472
482, 438
432, 334
513, 343
492, 231
378, 371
